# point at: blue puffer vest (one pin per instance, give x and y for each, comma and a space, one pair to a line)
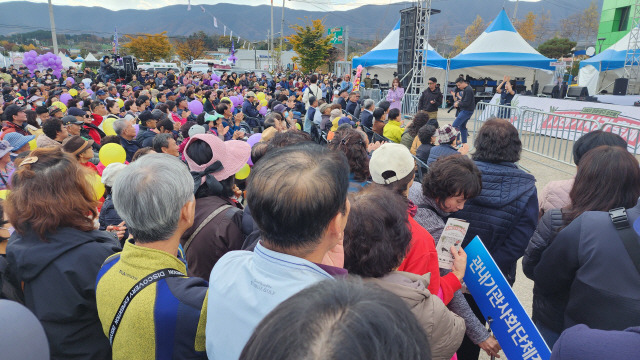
493, 214
441, 151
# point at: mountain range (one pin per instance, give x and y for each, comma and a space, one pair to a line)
253, 22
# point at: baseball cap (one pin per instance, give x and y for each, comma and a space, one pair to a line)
146, 116
12, 110
110, 173
74, 111
447, 134
250, 94
53, 109
394, 161
100, 92
195, 130
69, 119
212, 117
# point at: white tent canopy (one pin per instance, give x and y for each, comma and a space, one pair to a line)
90, 57
499, 51
599, 72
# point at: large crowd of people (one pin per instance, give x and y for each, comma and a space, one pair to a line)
288, 217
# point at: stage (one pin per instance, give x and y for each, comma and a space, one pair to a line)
625, 100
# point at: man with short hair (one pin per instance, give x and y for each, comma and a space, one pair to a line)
342, 99
73, 125
165, 316
311, 112
147, 127
16, 121
127, 133
367, 82
53, 133
311, 90
352, 104
366, 116
165, 144
299, 236
467, 105
42, 115
431, 99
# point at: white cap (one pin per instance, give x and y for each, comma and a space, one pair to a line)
196, 129
391, 157
110, 173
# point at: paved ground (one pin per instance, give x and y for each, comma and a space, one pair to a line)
545, 170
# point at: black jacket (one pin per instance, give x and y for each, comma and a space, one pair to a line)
548, 309
589, 260
468, 101
59, 277
366, 118
427, 96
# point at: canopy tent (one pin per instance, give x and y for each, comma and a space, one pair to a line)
90, 58
66, 61
500, 51
604, 68
383, 59
78, 59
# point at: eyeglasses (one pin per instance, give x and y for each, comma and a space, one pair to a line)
87, 116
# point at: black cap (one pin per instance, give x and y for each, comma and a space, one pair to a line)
146, 116
12, 110
69, 119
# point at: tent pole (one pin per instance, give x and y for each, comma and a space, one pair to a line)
446, 85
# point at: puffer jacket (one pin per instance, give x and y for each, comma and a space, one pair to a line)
555, 195
441, 151
504, 215
444, 329
548, 309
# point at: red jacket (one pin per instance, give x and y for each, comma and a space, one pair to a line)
10, 127
422, 258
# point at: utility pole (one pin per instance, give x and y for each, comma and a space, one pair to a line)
271, 42
515, 10
282, 26
54, 38
346, 43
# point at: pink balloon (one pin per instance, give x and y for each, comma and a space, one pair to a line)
196, 107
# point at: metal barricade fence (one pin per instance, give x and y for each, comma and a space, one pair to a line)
552, 135
484, 111
410, 104
373, 94
630, 133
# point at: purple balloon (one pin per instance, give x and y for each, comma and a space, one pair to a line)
58, 61
70, 79
254, 139
195, 106
89, 91
263, 111
64, 98
137, 127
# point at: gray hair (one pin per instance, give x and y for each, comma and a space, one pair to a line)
149, 195
119, 126
161, 141
369, 103
159, 114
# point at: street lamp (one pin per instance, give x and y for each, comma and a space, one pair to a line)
600, 41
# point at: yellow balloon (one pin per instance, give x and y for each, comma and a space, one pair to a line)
260, 96
120, 102
3, 194
298, 126
107, 126
112, 153
96, 184
60, 106
244, 172
73, 92
263, 102
32, 144
226, 98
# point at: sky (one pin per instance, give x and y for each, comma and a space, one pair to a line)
332, 5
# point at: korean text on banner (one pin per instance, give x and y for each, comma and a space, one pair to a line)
516, 333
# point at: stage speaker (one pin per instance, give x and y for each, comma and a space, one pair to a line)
127, 63
406, 45
577, 92
548, 90
620, 86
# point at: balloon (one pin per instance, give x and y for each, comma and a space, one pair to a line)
263, 111
112, 153
64, 98
137, 127
120, 103
298, 126
196, 107
254, 139
263, 102
89, 91
107, 127
96, 183
60, 105
226, 98
32, 144
3, 194
260, 96
73, 92
244, 172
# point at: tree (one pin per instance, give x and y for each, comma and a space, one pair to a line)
556, 47
527, 27
149, 47
471, 33
191, 48
591, 21
311, 43
543, 29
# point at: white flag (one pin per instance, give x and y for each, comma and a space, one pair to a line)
215, 22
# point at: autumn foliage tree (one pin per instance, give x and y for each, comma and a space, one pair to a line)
471, 33
149, 47
311, 44
527, 27
191, 48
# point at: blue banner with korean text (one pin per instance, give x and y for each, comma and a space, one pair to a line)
512, 327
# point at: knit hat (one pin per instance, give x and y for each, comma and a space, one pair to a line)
447, 134
393, 159
110, 173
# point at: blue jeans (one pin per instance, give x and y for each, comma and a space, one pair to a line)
549, 336
460, 123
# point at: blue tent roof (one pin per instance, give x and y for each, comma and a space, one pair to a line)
500, 44
610, 59
386, 53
